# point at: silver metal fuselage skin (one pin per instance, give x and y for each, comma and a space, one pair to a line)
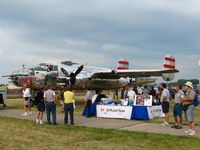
57, 79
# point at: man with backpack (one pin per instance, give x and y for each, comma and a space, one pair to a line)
189, 108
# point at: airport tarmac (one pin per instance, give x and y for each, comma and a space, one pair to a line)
118, 124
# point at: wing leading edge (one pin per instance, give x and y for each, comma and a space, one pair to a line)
116, 74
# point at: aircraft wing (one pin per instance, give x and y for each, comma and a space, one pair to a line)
116, 74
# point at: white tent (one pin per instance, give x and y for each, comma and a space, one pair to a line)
13, 87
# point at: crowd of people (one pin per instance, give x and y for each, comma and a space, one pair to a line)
45, 100
183, 103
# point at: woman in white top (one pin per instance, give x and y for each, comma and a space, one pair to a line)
26, 101
131, 94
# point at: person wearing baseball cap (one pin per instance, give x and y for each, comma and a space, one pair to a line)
190, 108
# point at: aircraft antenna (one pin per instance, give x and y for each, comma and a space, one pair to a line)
23, 67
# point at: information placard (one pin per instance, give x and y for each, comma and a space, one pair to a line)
123, 112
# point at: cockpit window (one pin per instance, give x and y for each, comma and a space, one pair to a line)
31, 72
41, 67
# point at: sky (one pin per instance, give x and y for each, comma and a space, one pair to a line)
99, 33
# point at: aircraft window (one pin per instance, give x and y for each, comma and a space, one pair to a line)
41, 68
55, 68
52, 68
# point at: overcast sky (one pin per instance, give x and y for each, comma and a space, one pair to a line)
99, 32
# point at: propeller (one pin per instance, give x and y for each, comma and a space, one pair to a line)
72, 75
65, 72
12, 77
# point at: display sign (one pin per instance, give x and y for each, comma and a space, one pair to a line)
155, 112
122, 112
141, 100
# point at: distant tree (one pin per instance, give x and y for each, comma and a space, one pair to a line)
195, 81
172, 84
183, 81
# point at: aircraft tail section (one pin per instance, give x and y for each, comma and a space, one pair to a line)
169, 64
123, 64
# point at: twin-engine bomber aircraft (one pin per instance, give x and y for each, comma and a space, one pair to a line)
80, 76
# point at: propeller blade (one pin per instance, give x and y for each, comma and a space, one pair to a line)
79, 70
65, 72
6, 76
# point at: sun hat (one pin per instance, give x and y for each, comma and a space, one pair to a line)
189, 84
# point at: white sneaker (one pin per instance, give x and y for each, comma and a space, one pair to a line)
30, 113
192, 133
41, 122
25, 114
37, 121
165, 124
188, 131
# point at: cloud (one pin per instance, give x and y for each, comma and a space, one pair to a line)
100, 32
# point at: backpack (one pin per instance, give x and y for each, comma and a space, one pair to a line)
196, 100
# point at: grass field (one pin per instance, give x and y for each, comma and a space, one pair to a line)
23, 134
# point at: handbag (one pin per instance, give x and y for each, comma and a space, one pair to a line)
196, 100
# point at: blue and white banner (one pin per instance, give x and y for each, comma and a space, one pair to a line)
122, 112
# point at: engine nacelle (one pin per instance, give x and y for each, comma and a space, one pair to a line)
168, 76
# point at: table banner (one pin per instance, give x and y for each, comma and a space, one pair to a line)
155, 112
123, 112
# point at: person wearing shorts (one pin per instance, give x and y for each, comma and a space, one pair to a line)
177, 111
40, 106
165, 104
189, 113
26, 100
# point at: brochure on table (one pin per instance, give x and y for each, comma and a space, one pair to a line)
141, 100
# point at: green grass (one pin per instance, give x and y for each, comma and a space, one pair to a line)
23, 134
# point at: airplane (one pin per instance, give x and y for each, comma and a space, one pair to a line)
82, 76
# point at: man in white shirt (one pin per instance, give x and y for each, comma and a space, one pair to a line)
165, 104
88, 101
26, 101
131, 94
50, 104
